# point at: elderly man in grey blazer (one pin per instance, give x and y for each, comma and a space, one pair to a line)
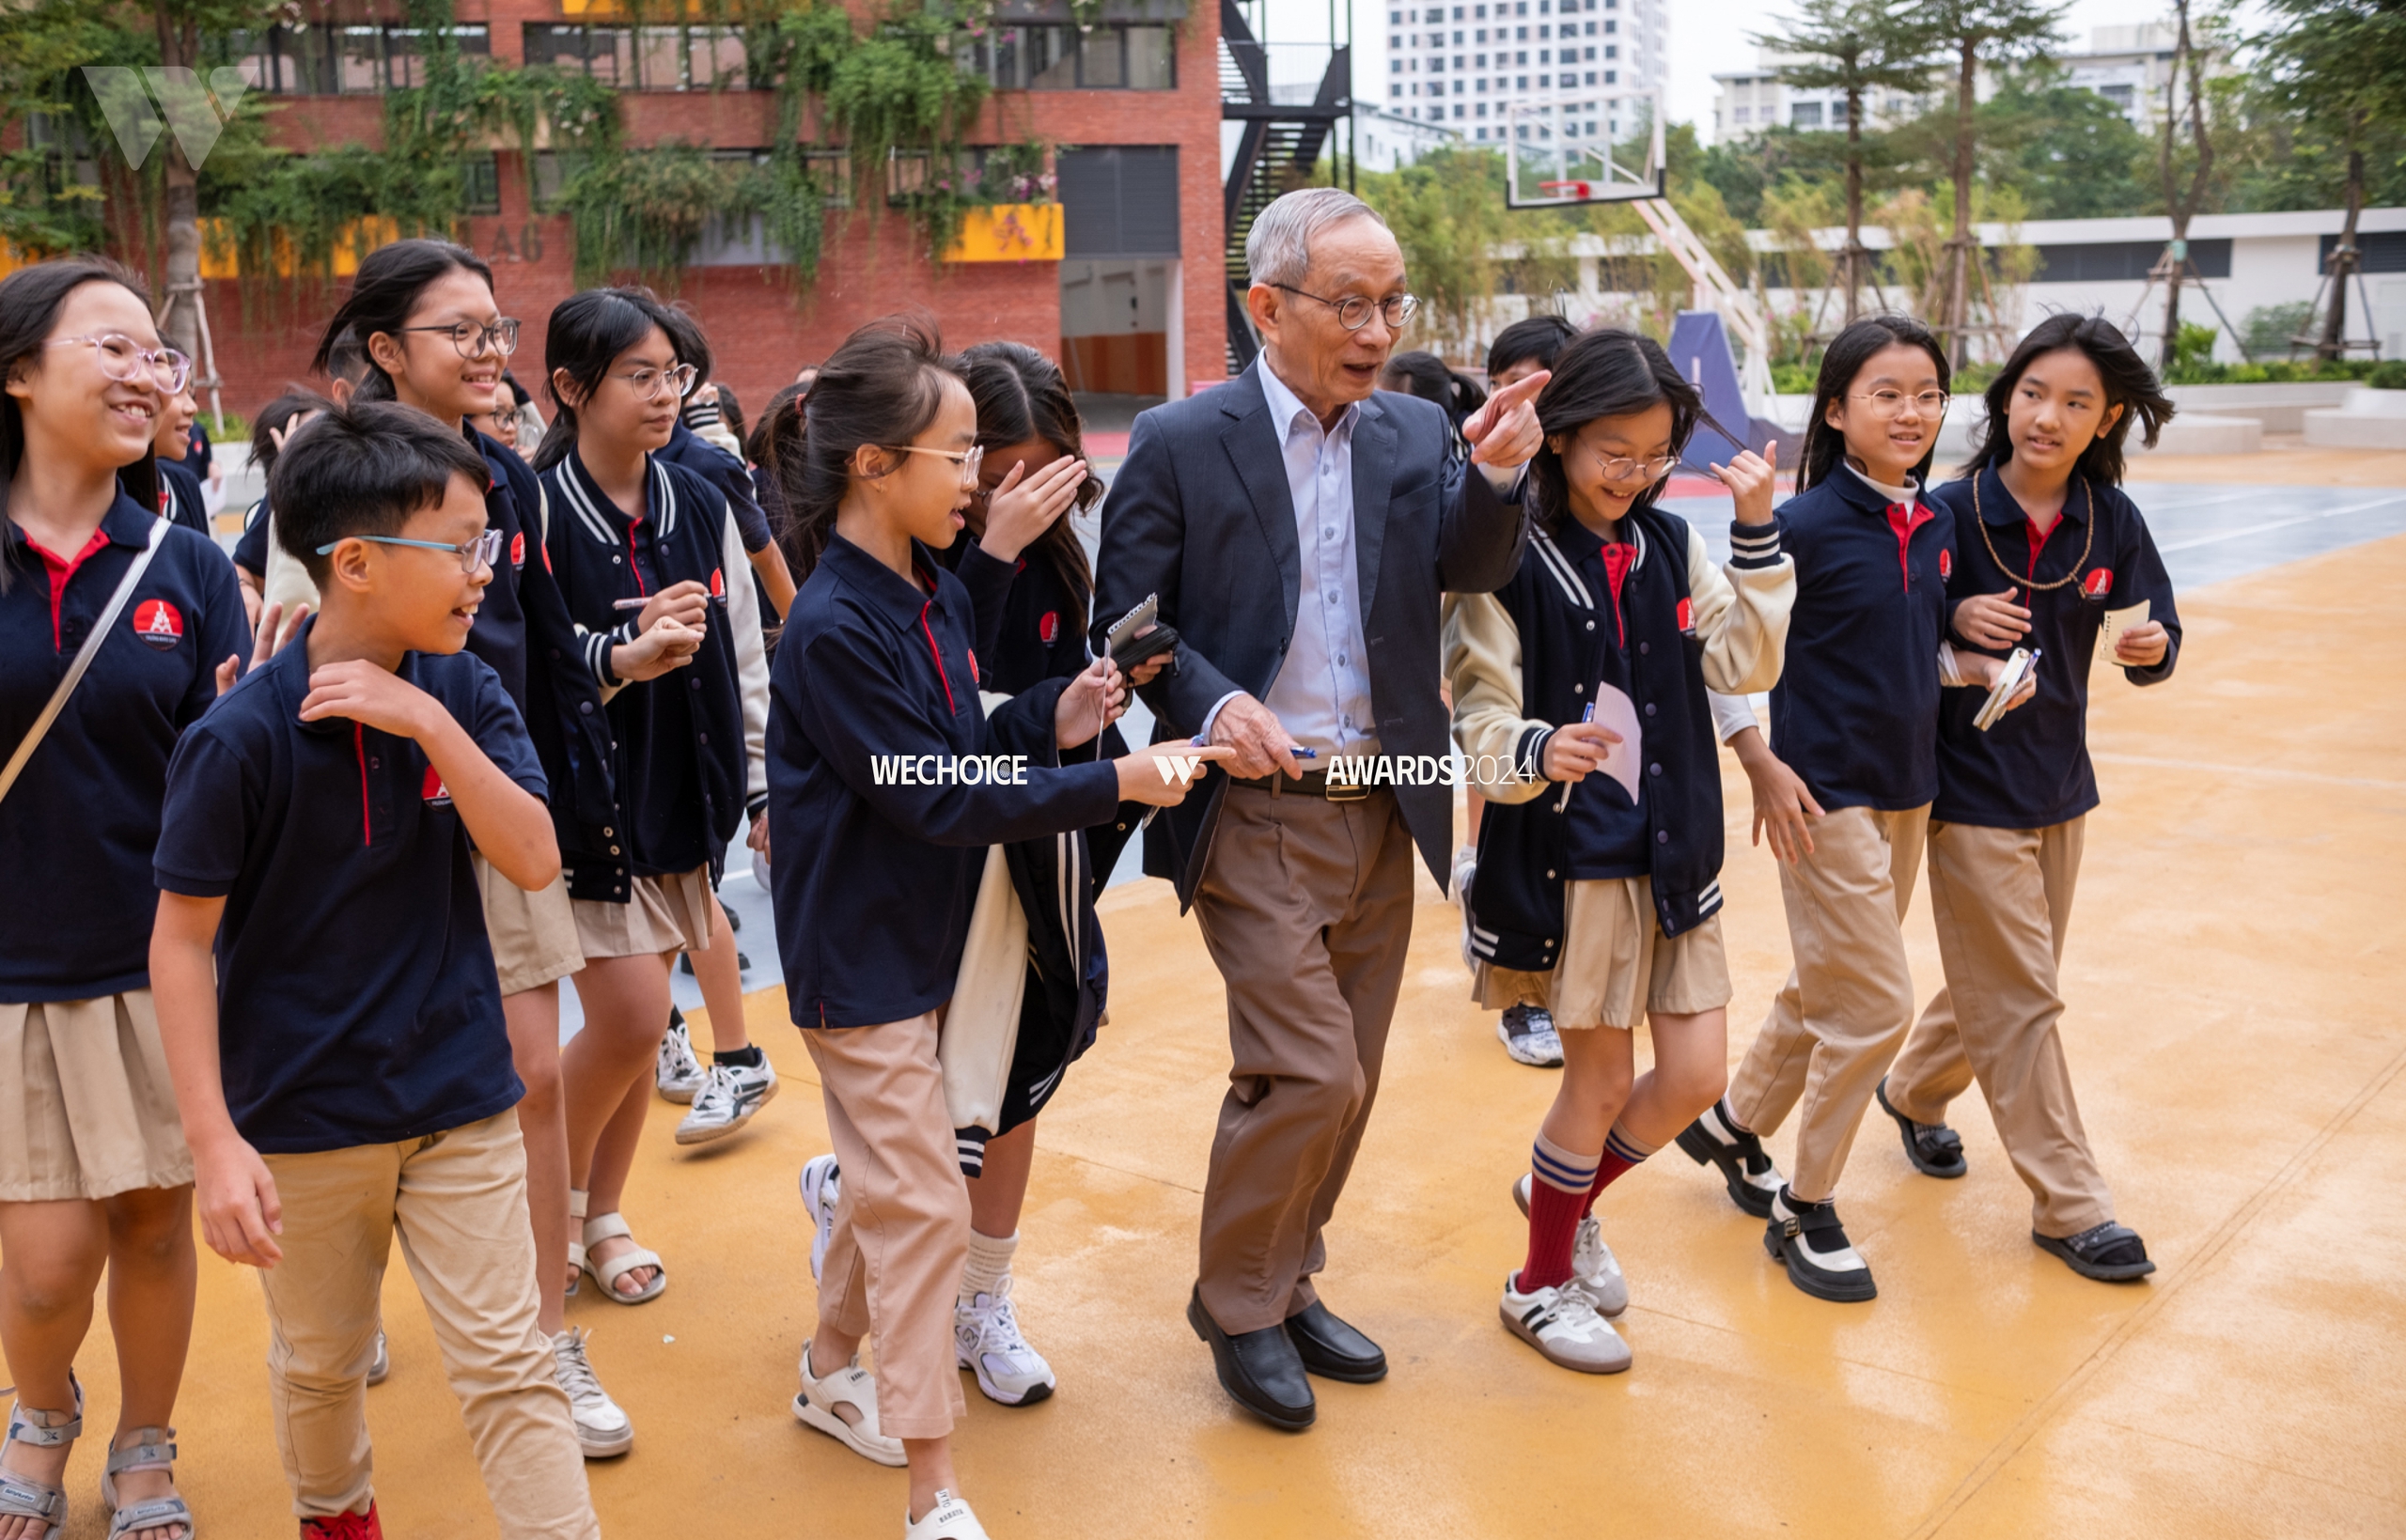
1299, 526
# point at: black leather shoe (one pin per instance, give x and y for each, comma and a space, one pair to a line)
1935, 1149
1333, 1350
1260, 1370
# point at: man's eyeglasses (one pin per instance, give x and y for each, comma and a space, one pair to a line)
1623, 468
1353, 311
474, 555
127, 361
474, 341
967, 459
1890, 403
649, 383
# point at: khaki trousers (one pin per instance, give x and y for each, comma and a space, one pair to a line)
2002, 898
1306, 908
458, 1200
892, 1271
1835, 1024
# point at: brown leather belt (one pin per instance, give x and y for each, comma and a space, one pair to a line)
1314, 784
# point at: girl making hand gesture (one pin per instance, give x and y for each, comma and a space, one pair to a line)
1595, 899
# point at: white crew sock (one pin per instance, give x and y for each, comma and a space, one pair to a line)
988, 1262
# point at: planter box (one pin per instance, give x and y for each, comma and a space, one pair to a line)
1009, 232
2367, 419
2198, 433
2281, 409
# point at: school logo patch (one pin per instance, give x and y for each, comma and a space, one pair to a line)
2098, 583
1687, 616
718, 582
517, 549
158, 623
1049, 626
1945, 564
436, 793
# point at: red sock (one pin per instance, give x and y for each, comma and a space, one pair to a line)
1553, 1214
1621, 1154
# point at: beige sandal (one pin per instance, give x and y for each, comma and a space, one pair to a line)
153, 1449
602, 1227
21, 1497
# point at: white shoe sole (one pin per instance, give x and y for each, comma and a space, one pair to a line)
681, 1095
1040, 1390
704, 1133
1512, 1324
809, 1415
604, 1447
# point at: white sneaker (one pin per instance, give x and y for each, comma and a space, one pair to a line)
1527, 1035
1593, 1268
1563, 1326
985, 1331
850, 1386
679, 1074
820, 1190
601, 1428
379, 1368
730, 1093
948, 1518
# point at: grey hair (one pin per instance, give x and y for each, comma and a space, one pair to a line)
1277, 250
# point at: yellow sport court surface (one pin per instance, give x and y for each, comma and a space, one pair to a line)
2233, 981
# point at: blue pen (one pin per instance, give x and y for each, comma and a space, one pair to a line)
1589, 713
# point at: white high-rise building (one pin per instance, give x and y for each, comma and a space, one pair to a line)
1461, 64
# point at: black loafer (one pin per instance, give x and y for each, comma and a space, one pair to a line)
2109, 1252
1333, 1350
1260, 1370
1935, 1149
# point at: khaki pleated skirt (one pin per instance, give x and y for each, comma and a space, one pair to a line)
87, 1110
668, 913
1617, 965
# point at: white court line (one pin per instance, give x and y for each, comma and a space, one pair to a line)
2260, 771
2279, 523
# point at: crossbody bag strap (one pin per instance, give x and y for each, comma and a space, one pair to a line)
83, 656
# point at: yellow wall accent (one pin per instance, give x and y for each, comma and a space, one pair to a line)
219, 258
1009, 232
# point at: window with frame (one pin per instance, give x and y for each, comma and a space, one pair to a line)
675, 57
328, 59
1126, 56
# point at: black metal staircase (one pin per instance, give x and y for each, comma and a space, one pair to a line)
1278, 151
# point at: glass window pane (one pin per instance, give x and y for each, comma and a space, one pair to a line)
832, 170
1008, 49
1153, 60
718, 56
359, 59
482, 175
1052, 58
612, 55
403, 68
659, 60
1098, 58
477, 39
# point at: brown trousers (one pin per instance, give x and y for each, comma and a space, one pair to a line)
1849, 1002
893, 1267
1306, 908
2002, 898
457, 1202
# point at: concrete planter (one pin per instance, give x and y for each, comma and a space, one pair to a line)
2281, 409
2366, 419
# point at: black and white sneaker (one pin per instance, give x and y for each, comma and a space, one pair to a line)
730, 1095
1752, 1179
1807, 1239
1935, 1149
1527, 1035
2109, 1252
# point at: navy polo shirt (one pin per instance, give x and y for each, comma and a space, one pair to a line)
357, 1002
250, 547
727, 474
76, 832
2031, 768
1855, 711
874, 883
512, 505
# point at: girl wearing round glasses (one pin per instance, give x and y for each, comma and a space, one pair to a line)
423, 314
652, 565
94, 1175
1597, 893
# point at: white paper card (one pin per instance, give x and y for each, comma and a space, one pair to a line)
1616, 712
2110, 630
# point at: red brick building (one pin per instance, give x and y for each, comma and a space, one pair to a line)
1132, 106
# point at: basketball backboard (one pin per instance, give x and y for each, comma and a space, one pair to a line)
1600, 146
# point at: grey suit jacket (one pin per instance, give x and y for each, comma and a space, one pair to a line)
1200, 514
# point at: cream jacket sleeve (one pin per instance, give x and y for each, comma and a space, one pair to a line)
1482, 651
1740, 611
751, 658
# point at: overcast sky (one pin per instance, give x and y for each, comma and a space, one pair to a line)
1706, 36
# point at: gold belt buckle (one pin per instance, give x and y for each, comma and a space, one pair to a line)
1344, 791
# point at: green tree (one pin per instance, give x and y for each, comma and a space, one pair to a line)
2340, 65
1977, 33
1856, 47
2070, 151
2181, 202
